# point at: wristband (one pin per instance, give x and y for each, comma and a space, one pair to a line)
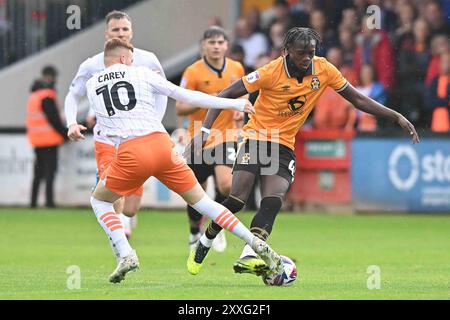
205, 130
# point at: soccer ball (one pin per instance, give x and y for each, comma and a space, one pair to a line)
286, 278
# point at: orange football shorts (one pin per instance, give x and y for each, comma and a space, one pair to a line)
138, 159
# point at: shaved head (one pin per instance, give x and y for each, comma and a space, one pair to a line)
118, 51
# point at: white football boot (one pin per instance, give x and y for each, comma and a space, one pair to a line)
126, 264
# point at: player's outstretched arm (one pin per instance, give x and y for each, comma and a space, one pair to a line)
207, 101
233, 91
366, 104
70, 109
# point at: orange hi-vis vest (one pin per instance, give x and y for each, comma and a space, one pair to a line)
39, 131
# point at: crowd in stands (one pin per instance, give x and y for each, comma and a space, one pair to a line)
404, 64
27, 27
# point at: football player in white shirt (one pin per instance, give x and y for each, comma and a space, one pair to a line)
123, 98
118, 25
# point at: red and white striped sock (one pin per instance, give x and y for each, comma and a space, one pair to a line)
110, 222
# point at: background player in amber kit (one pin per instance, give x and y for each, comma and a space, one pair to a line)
211, 74
289, 87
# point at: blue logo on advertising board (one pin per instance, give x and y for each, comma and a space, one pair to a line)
393, 175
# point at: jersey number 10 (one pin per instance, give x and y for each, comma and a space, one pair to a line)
113, 93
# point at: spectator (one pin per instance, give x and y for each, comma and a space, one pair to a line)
360, 7
254, 43
332, 111
262, 61
413, 58
406, 15
281, 11
237, 53
276, 37
439, 90
347, 44
388, 16
335, 56
375, 48
318, 22
350, 20
373, 89
254, 19
45, 132
435, 18
439, 44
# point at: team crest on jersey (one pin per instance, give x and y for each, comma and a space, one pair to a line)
315, 83
245, 158
252, 77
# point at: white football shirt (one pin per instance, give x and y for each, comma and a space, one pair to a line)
96, 64
123, 99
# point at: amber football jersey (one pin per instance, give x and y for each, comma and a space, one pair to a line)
203, 77
284, 103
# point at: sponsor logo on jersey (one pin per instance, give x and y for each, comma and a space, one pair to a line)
252, 77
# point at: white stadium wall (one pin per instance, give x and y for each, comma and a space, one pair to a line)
75, 178
169, 28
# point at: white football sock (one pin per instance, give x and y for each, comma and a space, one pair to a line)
205, 241
126, 221
223, 217
111, 224
133, 222
248, 251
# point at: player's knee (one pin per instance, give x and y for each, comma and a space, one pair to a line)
233, 204
224, 188
271, 204
130, 210
131, 206
130, 214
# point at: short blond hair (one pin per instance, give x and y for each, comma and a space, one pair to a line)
116, 15
115, 43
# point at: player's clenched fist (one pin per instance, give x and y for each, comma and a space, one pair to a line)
75, 132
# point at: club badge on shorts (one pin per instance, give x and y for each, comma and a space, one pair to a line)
245, 158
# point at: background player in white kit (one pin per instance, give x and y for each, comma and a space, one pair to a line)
118, 25
123, 98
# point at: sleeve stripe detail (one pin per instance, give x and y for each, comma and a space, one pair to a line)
343, 87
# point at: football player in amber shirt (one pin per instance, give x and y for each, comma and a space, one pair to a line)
211, 74
289, 88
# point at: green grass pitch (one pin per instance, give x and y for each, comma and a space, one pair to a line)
332, 253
